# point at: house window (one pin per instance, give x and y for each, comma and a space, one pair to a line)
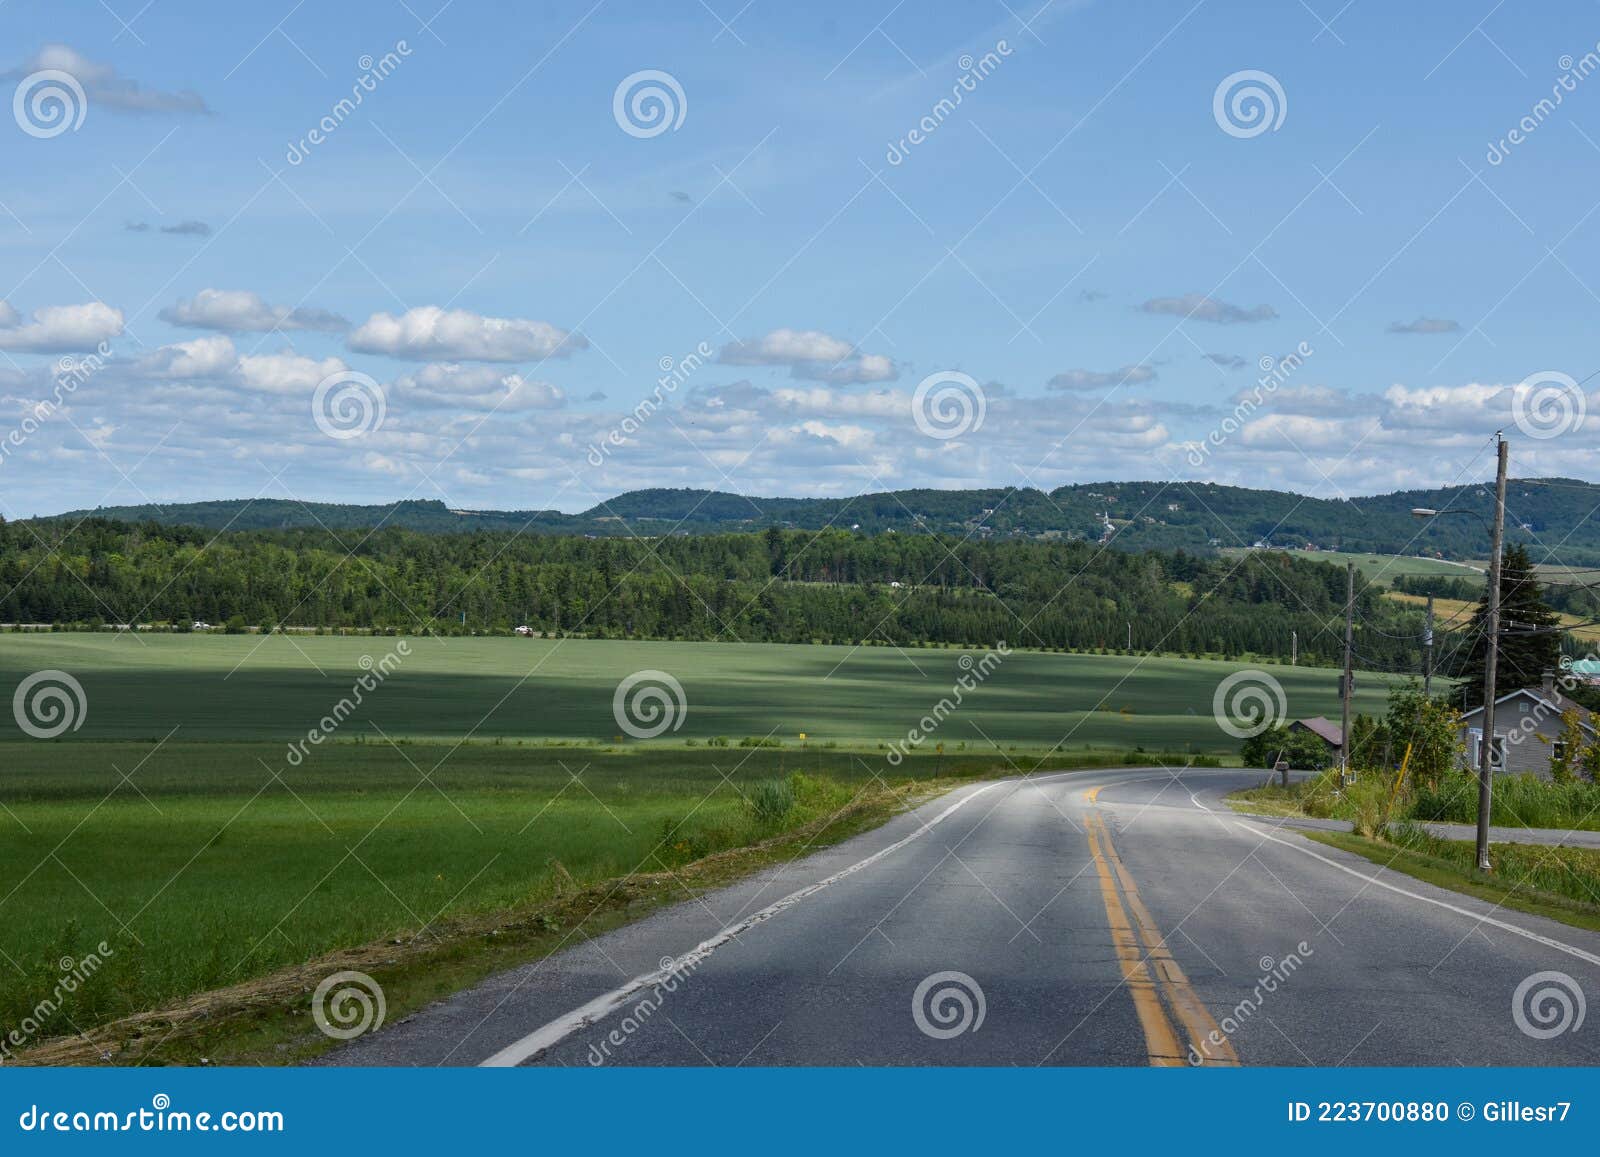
1475, 747
1558, 752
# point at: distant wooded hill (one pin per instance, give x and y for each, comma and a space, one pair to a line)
1552, 516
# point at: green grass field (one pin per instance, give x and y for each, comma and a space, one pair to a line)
175, 826
251, 687
203, 869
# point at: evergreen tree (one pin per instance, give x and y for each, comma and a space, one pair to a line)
1528, 647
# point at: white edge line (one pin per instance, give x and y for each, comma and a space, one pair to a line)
544, 1038
1547, 941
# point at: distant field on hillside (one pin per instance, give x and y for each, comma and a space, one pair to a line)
1382, 568
1457, 612
254, 687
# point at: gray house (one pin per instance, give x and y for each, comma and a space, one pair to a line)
1527, 729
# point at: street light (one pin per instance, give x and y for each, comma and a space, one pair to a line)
1486, 747
1430, 512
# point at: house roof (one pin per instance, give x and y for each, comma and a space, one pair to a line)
1322, 727
1558, 703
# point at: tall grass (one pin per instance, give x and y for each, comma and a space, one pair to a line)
1366, 801
771, 800
1570, 873
1522, 801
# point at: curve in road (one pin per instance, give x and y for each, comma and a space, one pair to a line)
1121, 917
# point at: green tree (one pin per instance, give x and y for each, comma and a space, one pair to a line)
1302, 750
1528, 647
1564, 761
1361, 745
1430, 727
1589, 761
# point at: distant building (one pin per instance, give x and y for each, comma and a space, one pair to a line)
1527, 729
1324, 729
1585, 670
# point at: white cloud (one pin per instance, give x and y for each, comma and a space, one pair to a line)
429, 333
884, 404
785, 347
242, 311
210, 419
60, 328
866, 368
285, 373
206, 357
1471, 406
105, 87
812, 355
478, 388
849, 436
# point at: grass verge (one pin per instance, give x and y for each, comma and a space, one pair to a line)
1528, 878
267, 1020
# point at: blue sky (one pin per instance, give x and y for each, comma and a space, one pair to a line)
494, 269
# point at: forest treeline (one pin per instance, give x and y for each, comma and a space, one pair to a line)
776, 586
1195, 516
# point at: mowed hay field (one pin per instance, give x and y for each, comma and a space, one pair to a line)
481, 776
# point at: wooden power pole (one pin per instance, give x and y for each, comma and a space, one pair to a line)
1344, 686
1487, 752
1427, 653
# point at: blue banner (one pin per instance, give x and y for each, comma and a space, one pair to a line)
792, 1110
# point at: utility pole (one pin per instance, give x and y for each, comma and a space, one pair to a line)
1130, 634
1294, 648
1349, 648
1486, 759
1427, 653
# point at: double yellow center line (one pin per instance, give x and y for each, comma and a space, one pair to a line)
1155, 980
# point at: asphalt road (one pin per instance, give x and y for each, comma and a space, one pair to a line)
1122, 917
